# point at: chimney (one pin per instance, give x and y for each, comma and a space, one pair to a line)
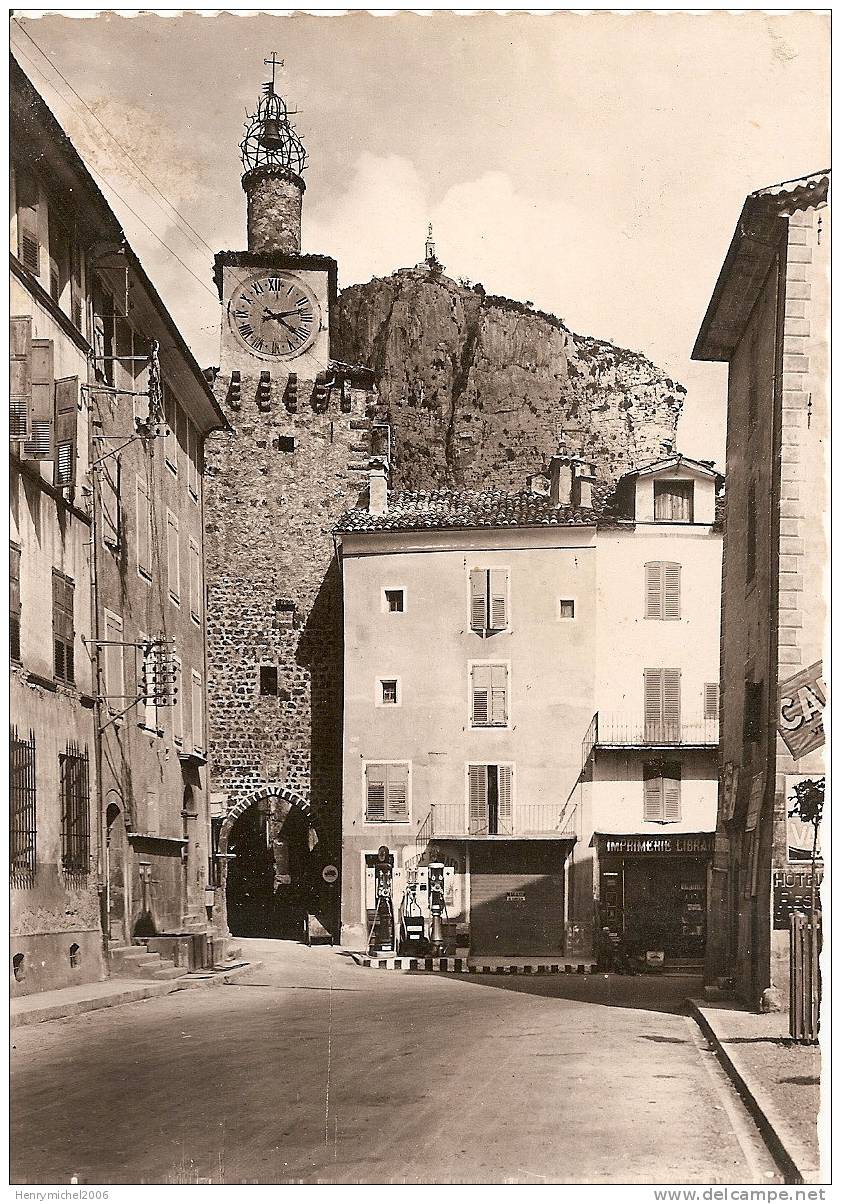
560, 480
582, 484
377, 486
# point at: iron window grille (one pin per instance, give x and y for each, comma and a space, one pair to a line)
22, 812
75, 811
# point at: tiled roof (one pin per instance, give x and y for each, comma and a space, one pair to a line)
471, 509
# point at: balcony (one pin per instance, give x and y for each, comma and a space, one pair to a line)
529, 821
622, 730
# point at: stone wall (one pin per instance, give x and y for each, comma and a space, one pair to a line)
274, 210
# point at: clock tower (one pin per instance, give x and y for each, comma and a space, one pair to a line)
303, 427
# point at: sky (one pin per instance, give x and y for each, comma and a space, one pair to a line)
593, 164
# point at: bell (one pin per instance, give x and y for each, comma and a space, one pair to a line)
271, 137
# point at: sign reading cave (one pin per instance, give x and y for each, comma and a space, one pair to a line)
702, 843
800, 705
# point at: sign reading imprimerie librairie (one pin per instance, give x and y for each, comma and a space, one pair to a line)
801, 701
702, 843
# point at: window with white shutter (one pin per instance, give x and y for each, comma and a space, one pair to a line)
20, 377
109, 476
661, 791
661, 705
387, 792
178, 704
148, 707
144, 530
197, 712
112, 655
173, 558
490, 806
65, 434
171, 440
193, 465
711, 700
489, 695
39, 445
63, 628
195, 581
29, 243
488, 600
662, 590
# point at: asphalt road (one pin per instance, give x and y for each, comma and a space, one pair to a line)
314, 1070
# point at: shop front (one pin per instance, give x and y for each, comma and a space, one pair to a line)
653, 891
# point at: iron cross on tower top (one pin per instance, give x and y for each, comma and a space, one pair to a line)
273, 63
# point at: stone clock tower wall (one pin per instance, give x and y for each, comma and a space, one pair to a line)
296, 458
275, 198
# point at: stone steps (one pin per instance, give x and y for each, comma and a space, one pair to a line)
135, 961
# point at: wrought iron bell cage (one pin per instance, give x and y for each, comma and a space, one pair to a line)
270, 138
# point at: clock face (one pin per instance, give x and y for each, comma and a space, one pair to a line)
275, 315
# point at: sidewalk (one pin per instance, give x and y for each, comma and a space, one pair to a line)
778, 1080
90, 996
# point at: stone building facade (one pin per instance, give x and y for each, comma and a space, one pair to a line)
295, 458
110, 825
768, 319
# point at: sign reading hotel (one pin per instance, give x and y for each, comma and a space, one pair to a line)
801, 702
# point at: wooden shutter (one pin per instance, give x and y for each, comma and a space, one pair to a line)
499, 599
144, 529
63, 633
375, 783
194, 451
671, 793
504, 774
29, 244
653, 799
20, 377
150, 706
478, 599
478, 799
66, 422
652, 702
671, 703
481, 693
398, 793
671, 591
113, 662
195, 582
110, 491
499, 694
14, 601
173, 557
198, 714
77, 296
40, 443
711, 700
178, 704
654, 589
171, 440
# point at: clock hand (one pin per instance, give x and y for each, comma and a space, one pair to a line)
287, 313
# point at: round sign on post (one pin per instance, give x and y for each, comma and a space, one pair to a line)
330, 874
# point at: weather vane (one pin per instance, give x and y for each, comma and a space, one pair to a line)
272, 62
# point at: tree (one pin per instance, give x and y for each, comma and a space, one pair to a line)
808, 807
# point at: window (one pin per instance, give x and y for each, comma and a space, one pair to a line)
284, 613
148, 706
195, 582
752, 725
388, 687
103, 332
112, 662
750, 544
75, 811
268, 679
566, 608
198, 712
662, 590
22, 812
193, 461
29, 244
662, 705
20, 377
711, 700
14, 601
66, 417
109, 476
177, 704
63, 636
60, 257
286, 443
489, 800
489, 695
674, 501
661, 791
39, 446
171, 440
394, 601
144, 530
173, 558
387, 793
488, 599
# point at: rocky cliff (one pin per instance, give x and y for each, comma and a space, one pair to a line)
481, 390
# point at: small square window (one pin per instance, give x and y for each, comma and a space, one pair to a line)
394, 600
286, 443
389, 689
268, 679
566, 608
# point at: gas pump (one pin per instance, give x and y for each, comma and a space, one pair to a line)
437, 907
381, 936
412, 935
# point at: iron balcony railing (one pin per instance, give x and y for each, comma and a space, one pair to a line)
622, 730
550, 821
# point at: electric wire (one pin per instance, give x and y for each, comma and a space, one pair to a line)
113, 137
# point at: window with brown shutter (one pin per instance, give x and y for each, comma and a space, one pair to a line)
39, 446
143, 510
661, 791
173, 558
711, 700
63, 634
195, 581
27, 199
489, 695
661, 705
193, 464
20, 377
674, 501
66, 419
110, 473
171, 440
14, 601
488, 600
490, 808
387, 793
662, 590
60, 255
198, 712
